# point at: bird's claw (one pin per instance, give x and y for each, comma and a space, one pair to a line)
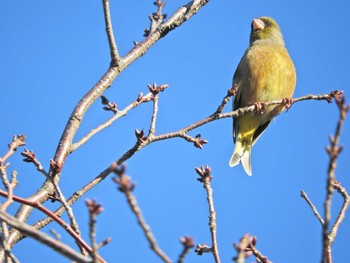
260, 107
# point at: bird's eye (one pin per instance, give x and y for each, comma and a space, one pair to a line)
267, 23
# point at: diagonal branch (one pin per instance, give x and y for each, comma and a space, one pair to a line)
65, 143
179, 17
187, 243
313, 208
247, 247
53, 217
341, 190
28, 230
126, 186
119, 114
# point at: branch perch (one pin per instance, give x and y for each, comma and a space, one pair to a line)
180, 133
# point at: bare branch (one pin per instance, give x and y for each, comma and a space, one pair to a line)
143, 143
74, 122
69, 210
246, 248
43, 238
239, 112
178, 18
303, 195
205, 178
17, 141
53, 216
341, 190
156, 19
155, 89
230, 92
29, 157
9, 186
94, 210
110, 34
333, 151
187, 243
109, 122
126, 187
104, 243
241, 248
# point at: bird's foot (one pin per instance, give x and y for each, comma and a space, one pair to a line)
260, 107
287, 102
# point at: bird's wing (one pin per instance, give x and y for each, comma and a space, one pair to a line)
237, 101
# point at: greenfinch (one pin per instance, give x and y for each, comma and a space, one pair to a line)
265, 73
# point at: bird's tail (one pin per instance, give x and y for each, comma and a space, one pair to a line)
241, 154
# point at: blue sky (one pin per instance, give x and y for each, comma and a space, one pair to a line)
53, 52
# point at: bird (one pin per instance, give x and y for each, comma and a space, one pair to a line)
265, 73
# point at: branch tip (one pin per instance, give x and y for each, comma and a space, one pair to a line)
204, 172
93, 207
123, 180
155, 89
187, 242
156, 19
198, 143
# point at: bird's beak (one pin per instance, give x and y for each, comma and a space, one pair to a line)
258, 24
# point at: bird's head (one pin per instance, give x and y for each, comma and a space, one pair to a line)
265, 29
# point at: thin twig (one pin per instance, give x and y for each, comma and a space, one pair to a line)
145, 227
247, 247
126, 187
333, 151
17, 141
54, 216
64, 145
239, 112
69, 210
178, 18
9, 186
156, 19
56, 235
258, 255
94, 210
230, 92
341, 190
241, 249
313, 208
104, 243
205, 178
30, 157
141, 99
110, 33
180, 133
152, 128
187, 243
28, 230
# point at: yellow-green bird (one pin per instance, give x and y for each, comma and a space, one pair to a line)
265, 73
